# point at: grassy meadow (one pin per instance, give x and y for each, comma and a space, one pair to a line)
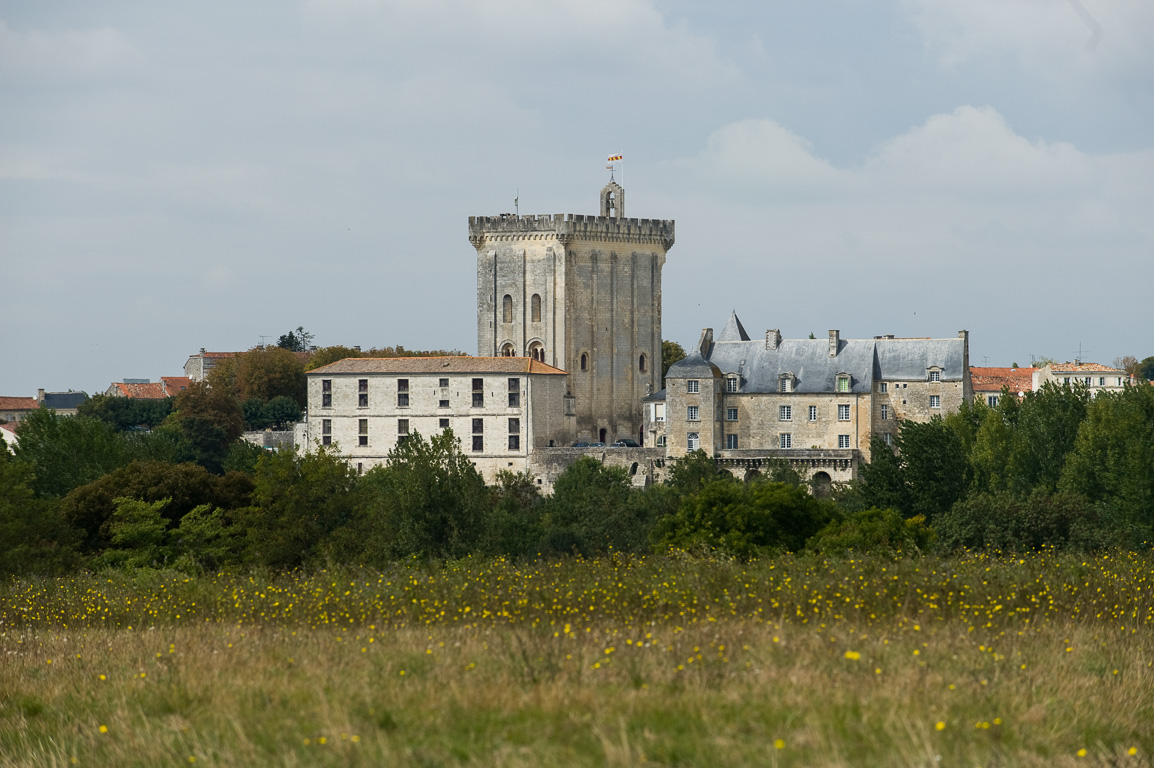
975, 660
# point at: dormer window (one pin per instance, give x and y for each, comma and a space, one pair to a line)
843, 382
731, 384
935, 375
785, 382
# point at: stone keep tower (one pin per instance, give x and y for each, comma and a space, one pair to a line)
582, 293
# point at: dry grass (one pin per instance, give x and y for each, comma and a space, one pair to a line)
539, 687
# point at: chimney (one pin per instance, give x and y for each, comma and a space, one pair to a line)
705, 342
834, 338
40, 395
202, 351
772, 338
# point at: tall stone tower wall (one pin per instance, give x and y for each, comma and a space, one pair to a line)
582, 293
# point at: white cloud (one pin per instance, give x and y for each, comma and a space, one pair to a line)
1057, 39
38, 56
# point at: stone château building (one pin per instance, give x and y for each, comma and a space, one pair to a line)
501, 409
815, 403
582, 294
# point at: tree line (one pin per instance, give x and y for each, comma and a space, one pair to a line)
1057, 468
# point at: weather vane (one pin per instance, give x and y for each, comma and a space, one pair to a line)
616, 159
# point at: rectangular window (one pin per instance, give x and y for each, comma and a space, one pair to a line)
362, 393
659, 411
731, 414
661, 441
731, 384
478, 434
514, 434
843, 383
514, 393
1066, 380
935, 375
478, 443
785, 413
786, 440
326, 393
885, 412
813, 413
443, 404
443, 383
478, 426
991, 400
478, 393
692, 413
692, 386
1088, 381
363, 432
884, 387
731, 442
444, 423
1101, 381
935, 401
887, 438
693, 441
326, 431
786, 384
402, 385
362, 385
402, 430
843, 441
402, 399
843, 413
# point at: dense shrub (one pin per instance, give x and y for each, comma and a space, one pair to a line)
874, 531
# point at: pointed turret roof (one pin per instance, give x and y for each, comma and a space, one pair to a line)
733, 330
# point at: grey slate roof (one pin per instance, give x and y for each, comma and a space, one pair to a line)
733, 330
814, 371
807, 359
656, 397
63, 401
693, 366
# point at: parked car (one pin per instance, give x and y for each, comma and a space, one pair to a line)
579, 444
625, 442
597, 444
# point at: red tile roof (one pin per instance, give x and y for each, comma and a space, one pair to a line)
217, 354
174, 384
993, 379
18, 404
1083, 368
154, 391
9, 426
460, 364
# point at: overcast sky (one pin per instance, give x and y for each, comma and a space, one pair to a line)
180, 175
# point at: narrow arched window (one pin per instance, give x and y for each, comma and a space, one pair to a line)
641, 362
507, 350
536, 351
507, 309
536, 308
584, 361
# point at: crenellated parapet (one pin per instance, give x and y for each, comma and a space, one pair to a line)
568, 227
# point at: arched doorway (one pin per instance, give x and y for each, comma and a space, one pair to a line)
751, 475
602, 434
822, 484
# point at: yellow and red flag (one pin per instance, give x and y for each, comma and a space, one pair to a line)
615, 158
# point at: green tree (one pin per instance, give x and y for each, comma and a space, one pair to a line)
262, 372
123, 413
744, 520
66, 452
693, 471
883, 483
515, 525
297, 502
207, 420
873, 531
326, 355
427, 500
90, 507
282, 412
935, 466
300, 341
34, 537
1113, 456
671, 353
589, 511
1146, 368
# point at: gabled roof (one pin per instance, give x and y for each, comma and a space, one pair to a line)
910, 359
174, 384
807, 360
993, 379
18, 404
458, 364
733, 330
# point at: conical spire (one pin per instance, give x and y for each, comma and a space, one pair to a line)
733, 330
